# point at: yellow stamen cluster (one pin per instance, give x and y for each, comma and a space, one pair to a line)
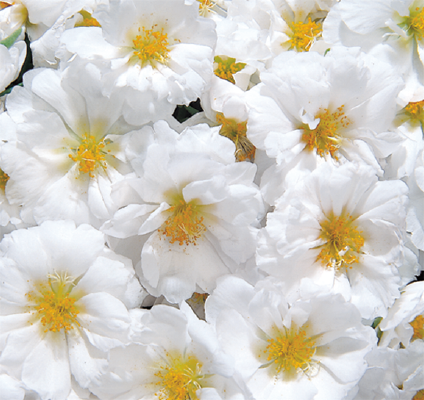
418, 327
415, 111
326, 137
419, 395
303, 34
343, 242
184, 225
4, 4
55, 306
151, 46
226, 67
205, 7
180, 379
236, 131
290, 350
416, 23
3, 180
89, 155
87, 19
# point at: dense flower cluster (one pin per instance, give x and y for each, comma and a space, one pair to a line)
265, 245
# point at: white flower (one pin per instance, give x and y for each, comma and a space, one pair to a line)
174, 356
307, 347
196, 207
70, 149
343, 228
311, 109
405, 319
65, 300
158, 53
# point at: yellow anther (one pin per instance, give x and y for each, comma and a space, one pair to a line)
236, 131
205, 7
87, 19
3, 180
151, 46
416, 23
419, 395
418, 327
184, 225
415, 111
89, 155
180, 379
303, 35
326, 137
290, 350
343, 242
226, 67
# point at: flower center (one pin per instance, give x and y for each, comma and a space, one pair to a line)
290, 350
3, 180
205, 7
180, 379
89, 155
151, 46
419, 395
184, 225
55, 306
87, 19
415, 111
418, 327
236, 131
303, 35
226, 67
326, 138
415, 23
343, 242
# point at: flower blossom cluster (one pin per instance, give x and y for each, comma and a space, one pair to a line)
211, 199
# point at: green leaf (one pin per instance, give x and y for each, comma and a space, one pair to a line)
10, 40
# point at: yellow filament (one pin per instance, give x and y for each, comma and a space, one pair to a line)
236, 131
89, 155
226, 67
180, 379
326, 137
303, 35
418, 326
343, 242
151, 46
184, 225
290, 350
205, 7
3, 180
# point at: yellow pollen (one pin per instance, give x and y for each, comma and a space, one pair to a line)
3, 180
184, 225
416, 23
418, 326
419, 395
89, 155
87, 20
343, 242
180, 379
415, 111
326, 137
304, 34
55, 307
226, 67
290, 350
151, 46
236, 131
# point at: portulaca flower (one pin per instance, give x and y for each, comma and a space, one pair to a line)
173, 356
391, 30
310, 346
311, 109
392, 374
65, 301
405, 320
70, 149
194, 210
158, 53
342, 228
